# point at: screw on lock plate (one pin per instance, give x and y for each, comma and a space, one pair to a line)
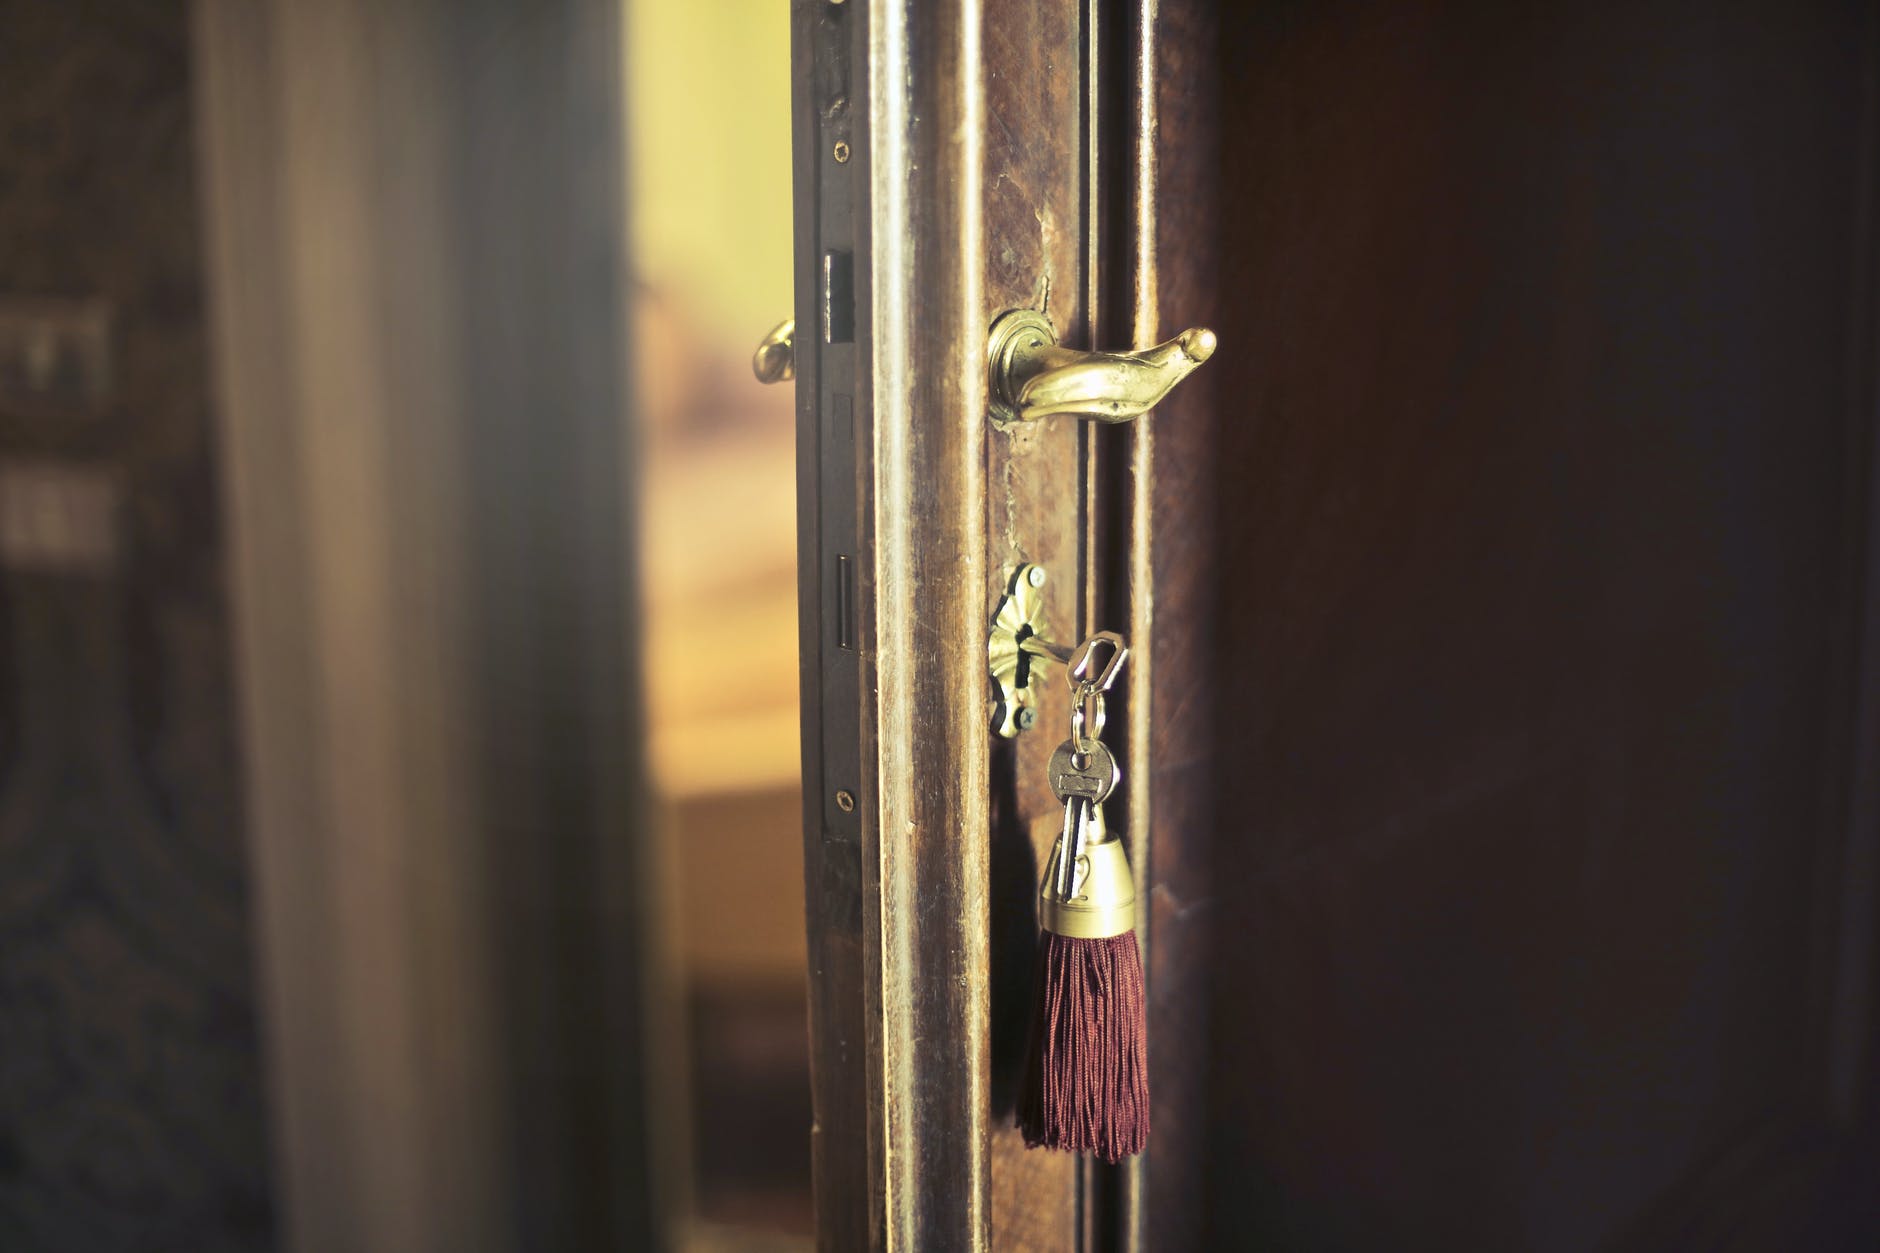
1015, 647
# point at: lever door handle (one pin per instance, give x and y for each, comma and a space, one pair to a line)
775, 358
1030, 377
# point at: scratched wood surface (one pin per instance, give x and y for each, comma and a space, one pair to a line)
1175, 853
1034, 259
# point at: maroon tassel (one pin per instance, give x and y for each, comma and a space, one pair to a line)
1087, 1070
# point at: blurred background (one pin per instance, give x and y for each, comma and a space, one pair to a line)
400, 835
710, 216
400, 812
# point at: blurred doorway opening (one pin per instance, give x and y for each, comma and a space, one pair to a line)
709, 214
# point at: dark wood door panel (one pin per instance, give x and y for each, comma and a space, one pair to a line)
1035, 249
1538, 491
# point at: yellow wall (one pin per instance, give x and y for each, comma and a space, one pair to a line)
708, 96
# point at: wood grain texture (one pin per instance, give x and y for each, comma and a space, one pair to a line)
925, 947
1524, 554
1174, 281
925, 832
1036, 230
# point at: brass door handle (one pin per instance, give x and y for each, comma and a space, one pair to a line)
775, 358
1030, 377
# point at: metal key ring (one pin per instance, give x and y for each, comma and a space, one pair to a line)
1087, 717
1087, 688
1077, 669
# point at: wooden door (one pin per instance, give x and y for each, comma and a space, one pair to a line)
1515, 679
945, 172
1504, 721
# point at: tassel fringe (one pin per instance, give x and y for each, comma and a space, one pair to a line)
1087, 1070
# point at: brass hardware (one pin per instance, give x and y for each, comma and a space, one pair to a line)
1088, 892
1015, 645
1079, 672
845, 801
1098, 898
841, 151
1030, 377
775, 358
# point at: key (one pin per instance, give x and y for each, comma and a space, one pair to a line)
1081, 775
1070, 844
1090, 780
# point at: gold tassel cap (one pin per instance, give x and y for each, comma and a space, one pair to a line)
1101, 901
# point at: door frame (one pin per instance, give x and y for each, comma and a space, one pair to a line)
895, 821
